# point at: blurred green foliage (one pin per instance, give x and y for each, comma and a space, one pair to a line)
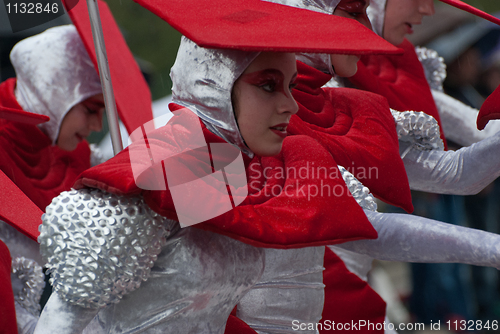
489, 6
153, 41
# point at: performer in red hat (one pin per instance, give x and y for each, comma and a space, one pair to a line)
200, 275
339, 292
279, 221
46, 113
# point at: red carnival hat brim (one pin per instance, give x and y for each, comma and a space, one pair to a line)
254, 25
17, 115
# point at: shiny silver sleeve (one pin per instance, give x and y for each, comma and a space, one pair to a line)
99, 246
463, 172
459, 121
409, 238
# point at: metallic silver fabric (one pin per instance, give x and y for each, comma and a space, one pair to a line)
417, 130
196, 282
19, 244
203, 80
291, 288
96, 155
319, 61
463, 172
434, 67
360, 193
54, 72
99, 246
459, 121
28, 283
376, 14
409, 238
321, 6
26, 322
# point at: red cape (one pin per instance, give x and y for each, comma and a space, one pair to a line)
40, 170
400, 79
7, 309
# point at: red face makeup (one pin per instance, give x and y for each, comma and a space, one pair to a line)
270, 80
356, 9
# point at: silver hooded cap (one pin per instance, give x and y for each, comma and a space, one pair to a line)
54, 72
203, 80
319, 61
376, 14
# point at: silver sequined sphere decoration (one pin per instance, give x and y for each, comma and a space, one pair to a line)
99, 246
434, 67
360, 193
419, 129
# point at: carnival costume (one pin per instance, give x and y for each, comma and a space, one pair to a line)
54, 72
428, 168
201, 274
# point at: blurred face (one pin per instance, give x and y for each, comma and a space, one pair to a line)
263, 102
346, 65
402, 15
80, 121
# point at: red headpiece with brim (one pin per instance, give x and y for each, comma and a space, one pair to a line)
133, 98
254, 25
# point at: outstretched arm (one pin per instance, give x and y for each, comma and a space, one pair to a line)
409, 238
463, 172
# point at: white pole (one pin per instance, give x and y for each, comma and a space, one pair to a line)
102, 63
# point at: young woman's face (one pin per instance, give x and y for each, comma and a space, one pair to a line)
263, 102
346, 65
80, 121
402, 15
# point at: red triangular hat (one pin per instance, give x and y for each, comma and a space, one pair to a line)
489, 110
133, 98
17, 209
18, 115
255, 25
468, 8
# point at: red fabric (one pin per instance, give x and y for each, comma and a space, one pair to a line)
292, 218
489, 110
349, 299
17, 209
130, 89
235, 325
8, 323
357, 128
256, 25
40, 170
400, 79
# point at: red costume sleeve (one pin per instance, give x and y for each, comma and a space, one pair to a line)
349, 299
357, 129
400, 79
8, 323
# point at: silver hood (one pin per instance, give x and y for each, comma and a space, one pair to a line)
376, 14
54, 72
203, 80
